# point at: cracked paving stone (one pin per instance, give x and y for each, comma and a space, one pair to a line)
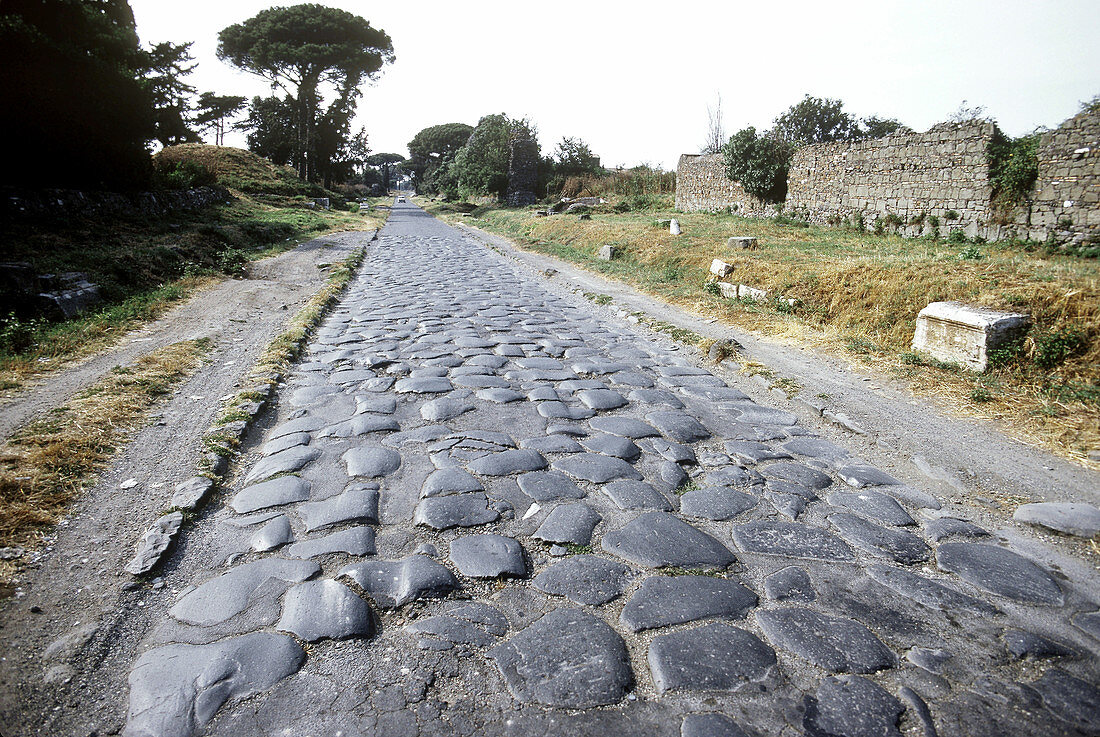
852, 706
371, 462
1000, 572
376, 405
596, 468
873, 504
307, 424
517, 460
626, 427
456, 510
656, 539
751, 451
675, 452
442, 632
287, 461
423, 385
360, 425
931, 659
566, 659
481, 381
797, 473
545, 486
931, 594
612, 445
670, 475
710, 725
860, 475
552, 444
791, 539
678, 426
711, 657
816, 448
732, 476
483, 615
1088, 622
945, 527
788, 505
284, 442
488, 556
631, 494
444, 408
789, 584
716, 503
426, 434
584, 579
601, 399
325, 610
352, 541
569, 523
632, 378
227, 595
662, 601
274, 534
393, 583
276, 492
1081, 520
357, 502
446, 481
1021, 644
898, 545
177, 689
1071, 699
837, 644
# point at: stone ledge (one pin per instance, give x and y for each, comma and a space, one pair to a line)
955, 332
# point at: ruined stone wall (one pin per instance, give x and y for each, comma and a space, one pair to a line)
1066, 197
65, 203
943, 172
702, 185
523, 173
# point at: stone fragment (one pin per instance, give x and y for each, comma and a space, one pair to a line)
720, 268
789, 584
670, 476
944, 527
608, 253
931, 594
931, 659
626, 427
443, 632
837, 644
678, 426
488, 556
1021, 644
371, 461
584, 579
325, 610
191, 492
1088, 622
287, 461
860, 475
596, 468
874, 504
177, 689
456, 510
561, 411
426, 434
655, 396
754, 414
1082, 520
284, 442
392, 583
798, 474
154, 543
656, 539
789, 505
732, 476
273, 493
423, 385
1071, 699
791, 539
612, 445
899, 546
750, 451
546, 486
853, 707
446, 481
711, 657
674, 452
225, 596
569, 523
816, 448
517, 460
632, 494
955, 332
601, 399
1000, 572
272, 535
710, 725
357, 541
376, 405
716, 503
358, 502
662, 601
566, 659
741, 242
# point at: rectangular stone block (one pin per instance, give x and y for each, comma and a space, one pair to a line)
748, 242
720, 268
955, 332
729, 291
607, 253
753, 294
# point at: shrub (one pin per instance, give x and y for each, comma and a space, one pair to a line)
956, 235
760, 164
184, 175
1054, 348
1013, 168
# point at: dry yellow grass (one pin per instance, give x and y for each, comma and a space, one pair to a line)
861, 293
45, 465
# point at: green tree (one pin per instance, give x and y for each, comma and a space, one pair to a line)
815, 120
433, 146
301, 48
271, 129
166, 66
876, 127
481, 166
214, 111
386, 165
573, 158
75, 111
759, 163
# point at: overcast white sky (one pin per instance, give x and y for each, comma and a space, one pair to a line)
634, 78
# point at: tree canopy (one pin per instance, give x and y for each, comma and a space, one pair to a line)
213, 110
759, 163
815, 120
481, 166
433, 146
166, 66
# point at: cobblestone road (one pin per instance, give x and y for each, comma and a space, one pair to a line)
484, 509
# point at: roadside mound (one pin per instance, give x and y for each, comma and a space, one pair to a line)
236, 168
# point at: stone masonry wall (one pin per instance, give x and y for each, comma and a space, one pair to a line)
1066, 196
942, 171
702, 184
67, 203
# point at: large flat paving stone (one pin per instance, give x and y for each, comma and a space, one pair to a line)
274, 534
860, 475
287, 461
566, 659
569, 523
898, 545
1000, 572
873, 504
227, 595
716, 503
584, 579
1082, 520
325, 610
516, 460
177, 689
678, 426
791, 539
789, 584
596, 468
711, 657
626, 427
711, 724
797, 473
853, 707
1071, 699
612, 445
543, 486
445, 481
392, 583
358, 541
358, 502
371, 461
457, 510
837, 644
662, 601
273, 493
656, 539
927, 592
632, 494
488, 556
360, 425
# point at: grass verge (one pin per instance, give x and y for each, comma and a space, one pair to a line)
859, 293
45, 465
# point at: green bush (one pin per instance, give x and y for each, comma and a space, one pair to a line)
1054, 348
18, 335
956, 235
184, 175
1013, 168
760, 164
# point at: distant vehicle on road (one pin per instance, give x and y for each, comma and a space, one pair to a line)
400, 199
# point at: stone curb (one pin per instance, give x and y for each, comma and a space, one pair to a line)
190, 495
